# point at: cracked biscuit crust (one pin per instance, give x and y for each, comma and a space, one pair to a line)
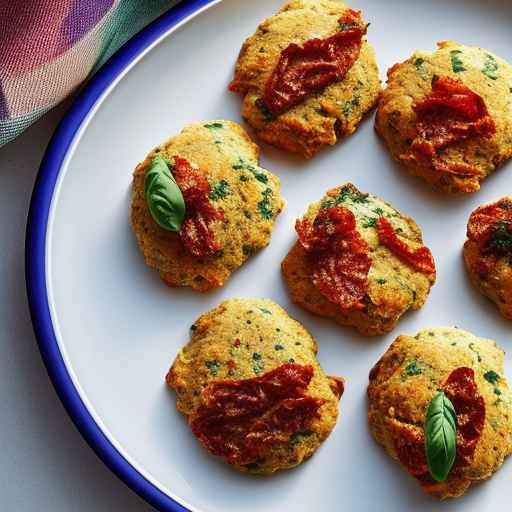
248, 195
244, 339
324, 117
411, 81
408, 375
394, 287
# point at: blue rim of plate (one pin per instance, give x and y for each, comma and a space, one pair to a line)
35, 251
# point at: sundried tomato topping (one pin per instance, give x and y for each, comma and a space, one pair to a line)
420, 259
490, 227
238, 419
449, 114
460, 387
410, 448
337, 385
196, 233
337, 256
312, 66
484, 222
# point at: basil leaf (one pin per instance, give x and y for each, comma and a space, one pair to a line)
164, 198
440, 436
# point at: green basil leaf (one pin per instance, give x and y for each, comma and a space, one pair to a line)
164, 198
440, 436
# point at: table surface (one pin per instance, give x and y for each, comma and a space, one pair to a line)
44, 464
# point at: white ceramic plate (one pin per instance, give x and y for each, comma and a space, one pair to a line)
109, 328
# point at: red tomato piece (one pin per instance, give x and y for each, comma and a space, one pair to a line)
409, 443
484, 221
420, 259
196, 233
240, 418
449, 114
337, 255
460, 387
312, 66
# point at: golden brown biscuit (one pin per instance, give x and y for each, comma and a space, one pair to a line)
325, 116
405, 380
249, 351
391, 285
247, 194
488, 252
482, 141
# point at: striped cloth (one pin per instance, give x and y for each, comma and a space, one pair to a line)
49, 47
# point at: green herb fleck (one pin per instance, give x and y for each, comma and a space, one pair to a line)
265, 112
379, 211
265, 206
419, 62
213, 126
297, 437
345, 194
256, 171
348, 106
440, 436
220, 190
457, 64
490, 69
501, 239
265, 311
412, 369
473, 349
381, 281
213, 367
278, 346
257, 363
291, 360
371, 222
492, 377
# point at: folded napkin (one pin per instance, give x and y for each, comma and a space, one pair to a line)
49, 47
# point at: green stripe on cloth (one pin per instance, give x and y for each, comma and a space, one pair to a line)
126, 18
129, 18
11, 128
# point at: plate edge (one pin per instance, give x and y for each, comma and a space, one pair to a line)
35, 252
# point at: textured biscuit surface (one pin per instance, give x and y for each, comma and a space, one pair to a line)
393, 286
248, 195
242, 339
411, 81
325, 116
407, 377
494, 280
